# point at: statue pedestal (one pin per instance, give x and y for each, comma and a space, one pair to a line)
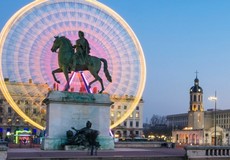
71, 109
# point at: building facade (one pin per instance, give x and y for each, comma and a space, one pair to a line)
132, 127
200, 127
31, 104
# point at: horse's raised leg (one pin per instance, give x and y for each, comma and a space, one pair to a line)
59, 70
97, 78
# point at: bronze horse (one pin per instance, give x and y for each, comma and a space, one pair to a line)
65, 62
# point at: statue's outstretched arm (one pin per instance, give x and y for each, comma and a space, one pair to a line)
74, 129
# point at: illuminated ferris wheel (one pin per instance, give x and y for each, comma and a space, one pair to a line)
27, 37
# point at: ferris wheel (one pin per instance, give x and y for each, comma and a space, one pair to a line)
27, 37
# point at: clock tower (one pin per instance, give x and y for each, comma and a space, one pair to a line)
196, 110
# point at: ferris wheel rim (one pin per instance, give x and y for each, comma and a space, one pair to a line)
18, 14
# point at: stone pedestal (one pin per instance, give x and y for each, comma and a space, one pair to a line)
3, 152
71, 109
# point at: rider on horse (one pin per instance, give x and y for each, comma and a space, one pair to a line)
66, 56
82, 50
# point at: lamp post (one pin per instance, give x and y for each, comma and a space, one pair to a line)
214, 98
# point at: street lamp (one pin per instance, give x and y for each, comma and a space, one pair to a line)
214, 98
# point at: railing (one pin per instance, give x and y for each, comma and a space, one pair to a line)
207, 151
217, 152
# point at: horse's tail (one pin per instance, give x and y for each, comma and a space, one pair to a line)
108, 76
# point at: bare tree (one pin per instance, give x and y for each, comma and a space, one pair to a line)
158, 120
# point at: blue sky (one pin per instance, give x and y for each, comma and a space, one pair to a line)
178, 37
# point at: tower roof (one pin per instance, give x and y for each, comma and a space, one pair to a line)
196, 88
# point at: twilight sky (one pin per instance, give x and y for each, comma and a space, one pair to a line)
178, 37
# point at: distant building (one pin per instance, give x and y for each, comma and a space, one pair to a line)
198, 126
133, 126
30, 103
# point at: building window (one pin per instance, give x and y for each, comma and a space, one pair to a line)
17, 121
137, 133
0, 119
131, 115
131, 132
9, 110
194, 98
125, 107
137, 115
27, 110
119, 107
118, 114
131, 123
137, 124
9, 121
112, 114
1, 110
194, 108
125, 133
137, 108
112, 107
34, 110
125, 123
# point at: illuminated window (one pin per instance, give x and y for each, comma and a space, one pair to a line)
118, 114
131, 115
194, 108
27, 110
17, 121
137, 115
112, 114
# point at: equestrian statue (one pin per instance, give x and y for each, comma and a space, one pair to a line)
69, 60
